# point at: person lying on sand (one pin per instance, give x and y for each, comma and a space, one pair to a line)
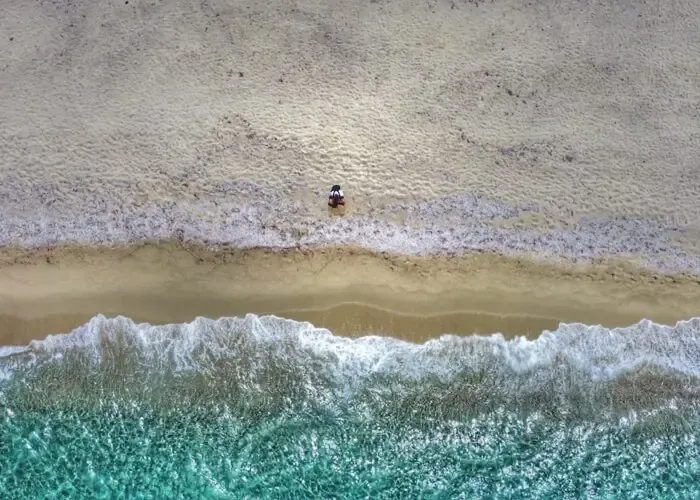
335, 197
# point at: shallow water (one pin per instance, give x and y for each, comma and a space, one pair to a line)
267, 407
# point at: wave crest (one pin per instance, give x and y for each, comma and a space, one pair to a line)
273, 362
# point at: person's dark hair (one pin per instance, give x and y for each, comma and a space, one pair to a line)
335, 187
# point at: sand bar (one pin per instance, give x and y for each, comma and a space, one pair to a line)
348, 290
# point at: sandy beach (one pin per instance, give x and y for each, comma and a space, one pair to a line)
462, 133
499, 126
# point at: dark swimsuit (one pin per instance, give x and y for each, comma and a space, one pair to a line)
335, 195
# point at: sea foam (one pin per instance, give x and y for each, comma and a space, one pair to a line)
261, 355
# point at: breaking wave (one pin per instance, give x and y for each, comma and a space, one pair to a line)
265, 406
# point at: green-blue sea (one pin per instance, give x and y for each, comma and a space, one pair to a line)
264, 407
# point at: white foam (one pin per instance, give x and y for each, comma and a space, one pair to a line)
597, 353
6, 352
10, 350
267, 359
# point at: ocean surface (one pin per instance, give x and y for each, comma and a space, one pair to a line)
263, 407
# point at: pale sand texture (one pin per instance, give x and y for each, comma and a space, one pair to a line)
576, 108
350, 291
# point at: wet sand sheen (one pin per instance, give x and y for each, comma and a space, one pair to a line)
348, 290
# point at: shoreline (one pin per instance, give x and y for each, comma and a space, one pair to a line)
349, 290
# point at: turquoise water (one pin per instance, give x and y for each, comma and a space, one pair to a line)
260, 407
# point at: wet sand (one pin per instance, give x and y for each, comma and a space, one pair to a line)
351, 291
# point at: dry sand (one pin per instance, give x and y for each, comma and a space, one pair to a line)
581, 108
348, 290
